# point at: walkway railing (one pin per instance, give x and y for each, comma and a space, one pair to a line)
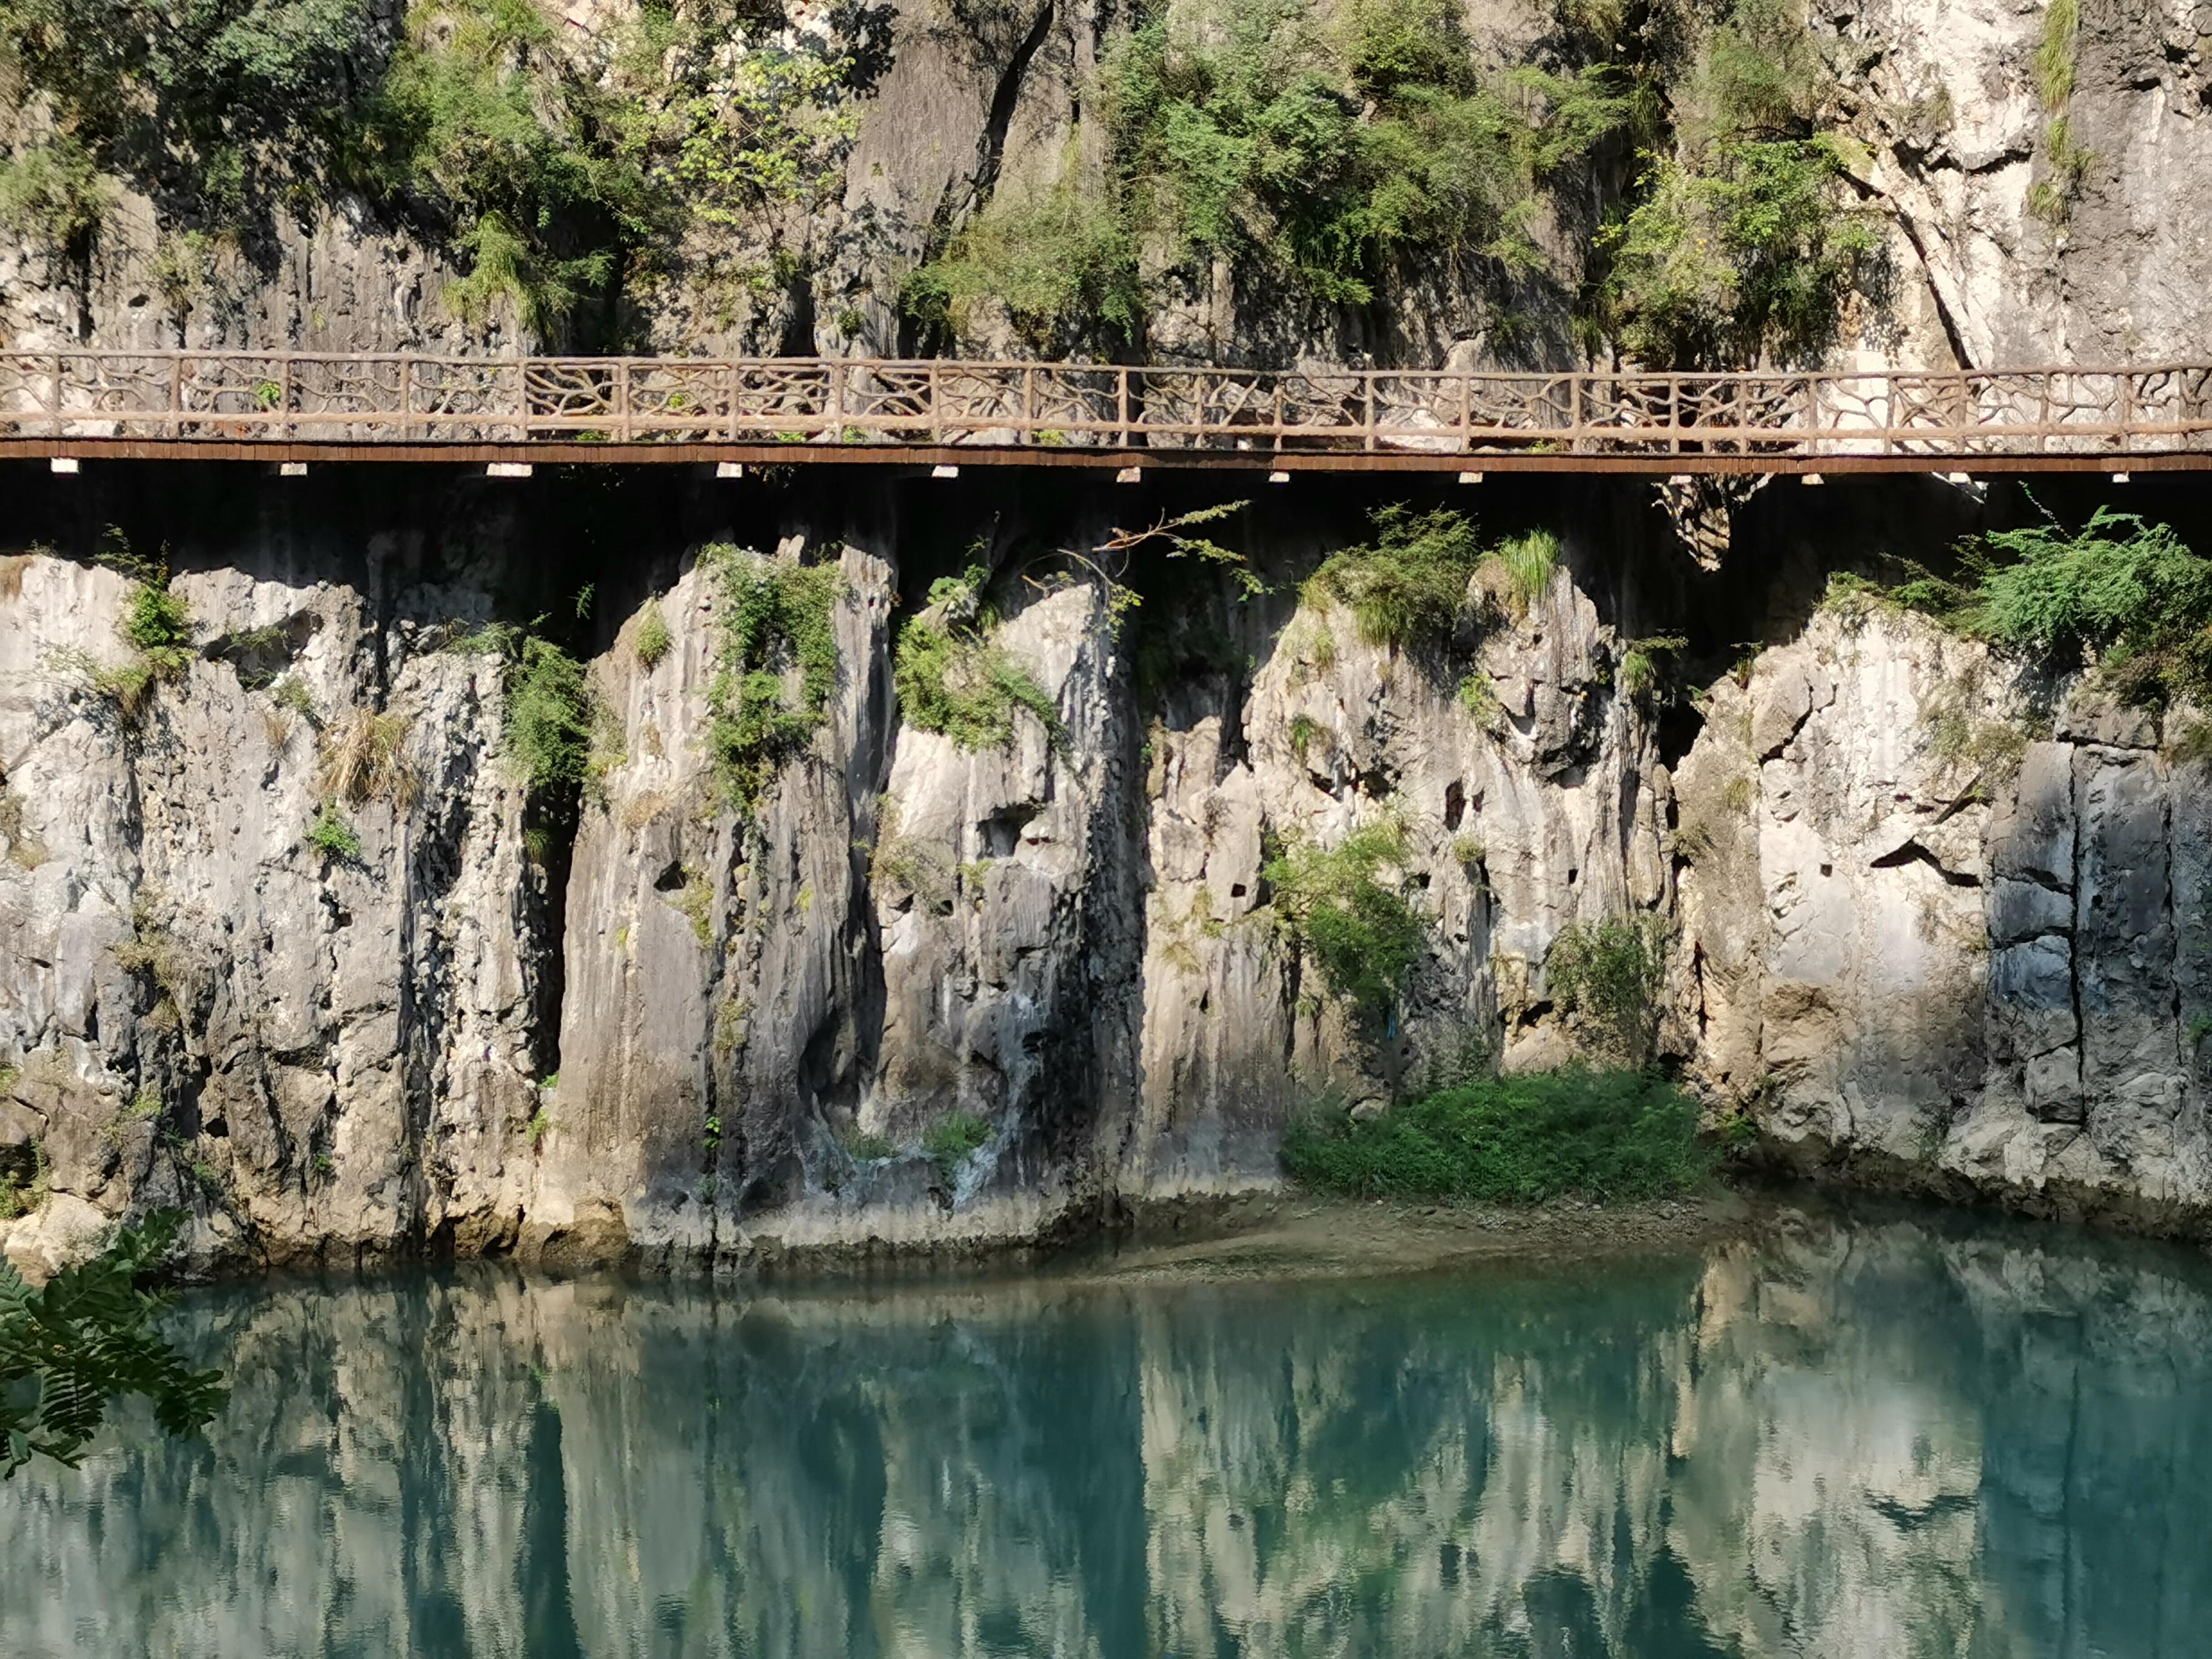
296, 398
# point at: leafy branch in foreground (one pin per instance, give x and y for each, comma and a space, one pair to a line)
1110, 559
86, 1338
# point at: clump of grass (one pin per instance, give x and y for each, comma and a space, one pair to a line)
952, 1137
2191, 745
1480, 698
332, 836
1527, 562
775, 621
2067, 164
1304, 729
19, 1197
869, 1148
291, 693
951, 676
1639, 663
653, 637
1347, 908
364, 758
695, 897
157, 624
1602, 1134
1607, 975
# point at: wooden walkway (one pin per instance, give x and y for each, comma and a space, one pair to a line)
298, 406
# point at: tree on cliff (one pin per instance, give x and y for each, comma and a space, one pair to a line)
85, 1339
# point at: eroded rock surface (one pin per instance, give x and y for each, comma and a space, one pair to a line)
1924, 920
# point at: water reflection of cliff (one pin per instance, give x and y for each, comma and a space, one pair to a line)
1882, 1441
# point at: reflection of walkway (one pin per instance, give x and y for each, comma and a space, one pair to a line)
1887, 1441
300, 405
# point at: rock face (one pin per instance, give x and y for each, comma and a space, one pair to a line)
1927, 926
289, 942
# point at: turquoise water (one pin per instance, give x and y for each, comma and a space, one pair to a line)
1907, 1435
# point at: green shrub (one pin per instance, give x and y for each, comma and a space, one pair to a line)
1062, 265
51, 194
653, 637
952, 1137
158, 624
1327, 152
1609, 976
1359, 930
1639, 662
332, 836
1608, 1134
550, 717
1741, 254
774, 620
870, 1149
952, 678
2133, 594
1408, 587
552, 173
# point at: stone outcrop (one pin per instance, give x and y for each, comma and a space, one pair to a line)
1933, 923
1926, 921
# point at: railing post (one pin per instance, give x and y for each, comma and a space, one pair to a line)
406, 395
1281, 393
625, 425
1811, 415
1673, 417
936, 403
1028, 403
1574, 414
177, 397
54, 425
834, 398
1367, 416
1465, 413
2127, 412
1121, 402
284, 395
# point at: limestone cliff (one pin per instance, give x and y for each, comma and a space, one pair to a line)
289, 940
2026, 214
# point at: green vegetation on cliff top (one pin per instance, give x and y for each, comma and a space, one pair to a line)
2130, 596
555, 170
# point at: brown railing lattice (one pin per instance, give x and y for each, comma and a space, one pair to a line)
299, 397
